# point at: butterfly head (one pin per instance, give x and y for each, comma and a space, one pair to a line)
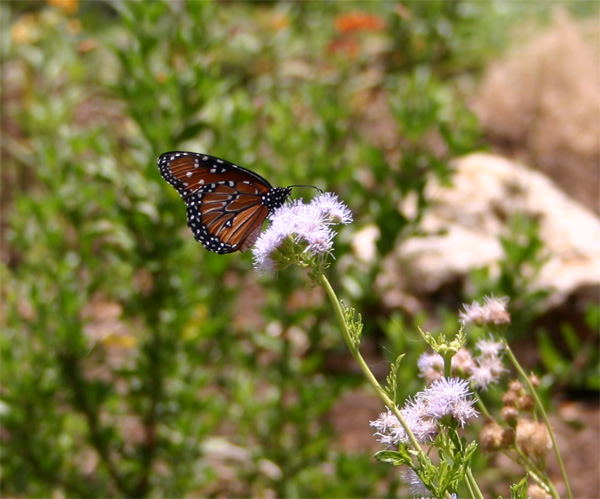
276, 197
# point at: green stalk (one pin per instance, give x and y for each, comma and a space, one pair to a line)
482, 407
538, 402
472, 484
320, 276
448, 364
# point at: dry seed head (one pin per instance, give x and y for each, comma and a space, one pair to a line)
515, 386
526, 403
533, 438
534, 380
491, 436
508, 437
509, 414
509, 399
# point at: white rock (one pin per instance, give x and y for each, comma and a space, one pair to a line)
467, 219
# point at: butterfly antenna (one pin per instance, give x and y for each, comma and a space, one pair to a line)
310, 186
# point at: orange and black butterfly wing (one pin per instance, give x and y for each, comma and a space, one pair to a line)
226, 204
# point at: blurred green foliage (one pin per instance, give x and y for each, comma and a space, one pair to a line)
134, 362
572, 361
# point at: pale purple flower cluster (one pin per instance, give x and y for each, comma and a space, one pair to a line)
481, 371
445, 397
489, 347
416, 486
449, 397
431, 366
306, 223
488, 365
493, 311
390, 431
431, 363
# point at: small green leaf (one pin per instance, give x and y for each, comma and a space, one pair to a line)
519, 490
470, 450
392, 378
396, 458
354, 322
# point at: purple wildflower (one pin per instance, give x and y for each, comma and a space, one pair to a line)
445, 397
416, 486
308, 224
493, 311
429, 361
486, 371
448, 397
391, 432
431, 366
488, 365
489, 348
333, 209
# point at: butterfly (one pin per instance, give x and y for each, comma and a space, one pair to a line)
226, 204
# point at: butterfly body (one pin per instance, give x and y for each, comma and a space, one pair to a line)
226, 204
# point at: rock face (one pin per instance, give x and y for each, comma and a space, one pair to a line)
467, 219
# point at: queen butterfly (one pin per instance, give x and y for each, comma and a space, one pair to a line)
226, 204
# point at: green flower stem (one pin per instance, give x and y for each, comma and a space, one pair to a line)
474, 490
538, 402
320, 277
448, 364
482, 407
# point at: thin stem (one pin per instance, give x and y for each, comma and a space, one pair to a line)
468, 484
472, 484
448, 365
482, 407
533, 392
361, 362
